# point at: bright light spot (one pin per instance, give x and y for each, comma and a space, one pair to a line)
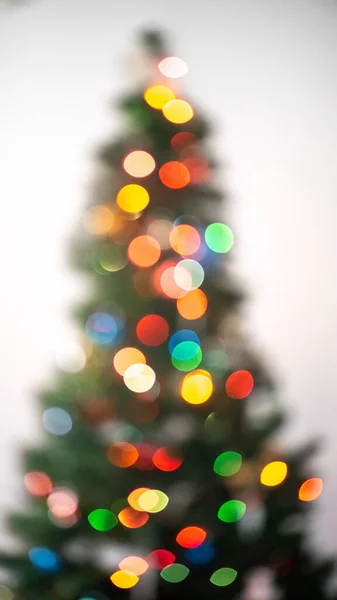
191, 537
193, 305
159, 559
44, 559
223, 577
153, 501
219, 237
174, 175
189, 274
133, 498
232, 511
37, 484
160, 229
311, 489
139, 378
227, 464
126, 357
134, 564
132, 198
139, 163
152, 330
239, 384
183, 335
274, 473
173, 67
62, 503
99, 220
132, 519
112, 258
102, 328
158, 95
186, 356
144, 251
102, 519
175, 573
122, 454
178, 111
57, 421
184, 239
166, 461
124, 579
197, 387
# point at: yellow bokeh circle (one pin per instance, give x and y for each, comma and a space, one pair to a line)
124, 579
158, 95
133, 198
178, 111
197, 387
274, 473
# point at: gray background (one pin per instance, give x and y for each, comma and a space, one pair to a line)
265, 71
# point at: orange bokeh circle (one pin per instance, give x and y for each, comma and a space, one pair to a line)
174, 175
144, 251
193, 305
126, 357
122, 454
152, 330
185, 240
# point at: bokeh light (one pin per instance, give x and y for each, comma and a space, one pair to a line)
197, 387
165, 460
158, 95
124, 579
184, 239
102, 328
144, 251
57, 421
223, 577
191, 537
102, 519
133, 498
274, 473
132, 519
311, 489
71, 356
139, 163
112, 258
99, 220
160, 229
126, 357
232, 511
183, 140
37, 484
172, 67
193, 305
159, 559
62, 503
201, 555
167, 284
122, 454
174, 573
132, 198
219, 237
198, 169
183, 335
186, 356
44, 559
153, 501
152, 330
178, 111
189, 274
139, 378
134, 564
174, 175
227, 463
239, 384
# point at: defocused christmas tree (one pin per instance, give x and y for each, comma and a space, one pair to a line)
160, 473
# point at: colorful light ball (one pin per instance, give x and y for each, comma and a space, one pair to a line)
311, 489
174, 175
166, 461
111, 259
178, 111
132, 519
193, 305
183, 140
132, 198
160, 229
102, 519
219, 237
239, 384
189, 274
174, 573
152, 330
122, 454
172, 67
139, 163
124, 579
37, 483
198, 169
126, 357
223, 577
183, 335
274, 473
134, 564
158, 95
159, 559
185, 240
139, 378
227, 463
232, 511
57, 421
191, 537
62, 503
44, 559
153, 501
197, 387
102, 328
169, 286
186, 356
144, 251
